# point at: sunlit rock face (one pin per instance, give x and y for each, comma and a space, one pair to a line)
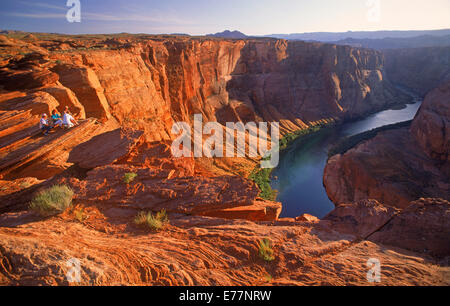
149, 83
212, 251
127, 91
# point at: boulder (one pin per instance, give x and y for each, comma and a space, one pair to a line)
423, 227
227, 196
104, 149
360, 218
307, 218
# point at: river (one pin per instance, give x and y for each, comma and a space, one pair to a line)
299, 176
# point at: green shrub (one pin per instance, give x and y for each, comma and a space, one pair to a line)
25, 185
52, 201
288, 139
268, 278
155, 222
262, 176
80, 215
265, 250
162, 215
129, 177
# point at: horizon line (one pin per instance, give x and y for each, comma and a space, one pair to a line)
249, 35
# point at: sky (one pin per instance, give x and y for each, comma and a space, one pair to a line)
199, 17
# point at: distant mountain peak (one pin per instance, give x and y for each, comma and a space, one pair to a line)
229, 34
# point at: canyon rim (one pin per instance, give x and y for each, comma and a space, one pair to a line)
164, 177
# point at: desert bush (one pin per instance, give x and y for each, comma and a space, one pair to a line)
129, 177
268, 278
25, 185
80, 215
262, 177
265, 250
52, 201
155, 222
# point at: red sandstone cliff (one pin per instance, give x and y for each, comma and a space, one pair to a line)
401, 165
128, 91
431, 127
419, 69
147, 83
249, 80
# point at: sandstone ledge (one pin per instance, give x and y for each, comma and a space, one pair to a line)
212, 251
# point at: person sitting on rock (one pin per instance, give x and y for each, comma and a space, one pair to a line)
56, 118
66, 109
68, 121
43, 124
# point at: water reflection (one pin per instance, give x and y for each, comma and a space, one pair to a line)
299, 176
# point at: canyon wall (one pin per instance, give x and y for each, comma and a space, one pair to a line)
431, 127
400, 165
419, 69
148, 83
299, 82
127, 91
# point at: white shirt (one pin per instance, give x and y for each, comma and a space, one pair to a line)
43, 123
67, 120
